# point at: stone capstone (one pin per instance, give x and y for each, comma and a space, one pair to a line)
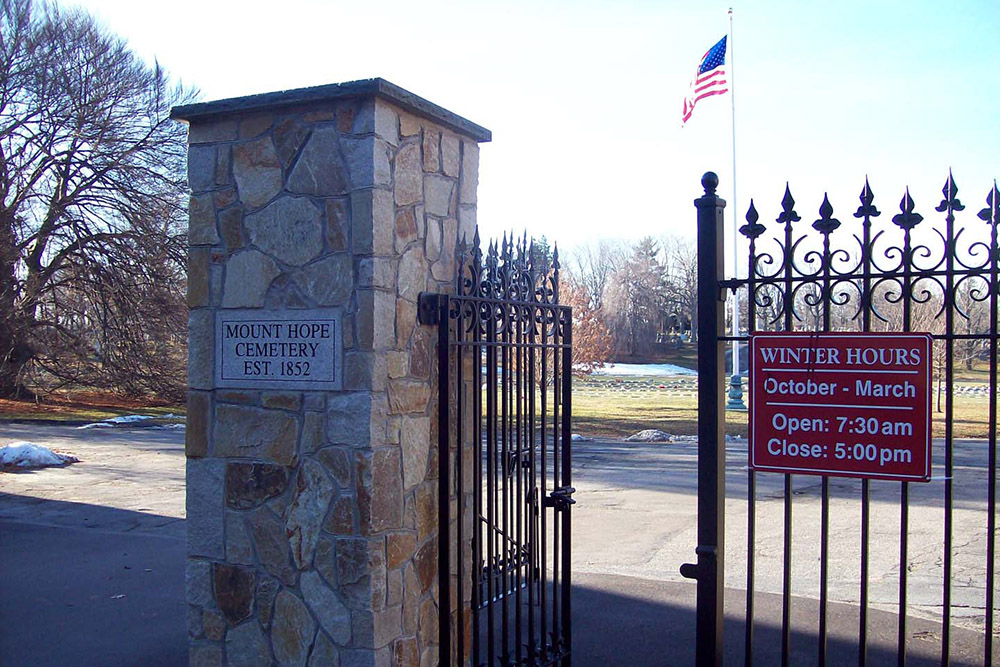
246, 646
234, 591
257, 170
248, 275
313, 490
319, 171
289, 229
251, 484
292, 630
333, 616
247, 432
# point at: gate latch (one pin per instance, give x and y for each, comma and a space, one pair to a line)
560, 498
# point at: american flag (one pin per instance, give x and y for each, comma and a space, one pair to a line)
710, 79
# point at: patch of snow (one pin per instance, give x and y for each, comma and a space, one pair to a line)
650, 435
124, 420
644, 369
576, 437
30, 455
168, 426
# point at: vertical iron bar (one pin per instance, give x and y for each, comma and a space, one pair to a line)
504, 486
444, 499
543, 492
711, 433
992, 426
532, 487
491, 409
949, 317
556, 517
786, 576
824, 546
567, 480
477, 498
904, 492
748, 638
520, 498
477, 501
461, 406
789, 307
866, 211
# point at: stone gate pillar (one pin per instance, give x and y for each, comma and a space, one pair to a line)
317, 216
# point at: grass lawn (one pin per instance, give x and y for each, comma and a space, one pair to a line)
82, 406
619, 416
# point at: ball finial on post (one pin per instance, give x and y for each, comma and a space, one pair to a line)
710, 181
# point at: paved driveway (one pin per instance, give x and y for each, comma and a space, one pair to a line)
92, 555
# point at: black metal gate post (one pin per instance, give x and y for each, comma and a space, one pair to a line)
709, 569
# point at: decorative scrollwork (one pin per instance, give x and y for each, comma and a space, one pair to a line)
907, 275
510, 290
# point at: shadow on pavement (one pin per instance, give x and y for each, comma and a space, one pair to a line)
113, 596
109, 596
641, 623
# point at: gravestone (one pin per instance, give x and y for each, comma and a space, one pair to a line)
317, 216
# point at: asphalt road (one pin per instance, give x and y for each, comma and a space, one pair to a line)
92, 557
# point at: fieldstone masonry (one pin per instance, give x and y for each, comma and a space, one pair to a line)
312, 515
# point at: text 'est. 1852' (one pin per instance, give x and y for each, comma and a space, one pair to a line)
299, 349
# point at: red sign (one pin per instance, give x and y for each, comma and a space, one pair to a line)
855, 405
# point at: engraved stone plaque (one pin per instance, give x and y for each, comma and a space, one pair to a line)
293, 349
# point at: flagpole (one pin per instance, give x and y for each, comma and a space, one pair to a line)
735, 391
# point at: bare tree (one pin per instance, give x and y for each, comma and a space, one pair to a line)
681, 280
593, 265
91, 204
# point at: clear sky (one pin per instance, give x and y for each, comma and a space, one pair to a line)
584, 97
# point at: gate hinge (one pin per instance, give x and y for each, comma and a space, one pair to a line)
428, 308
560, 498
706, 559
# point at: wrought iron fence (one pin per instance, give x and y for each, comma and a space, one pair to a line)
899, 274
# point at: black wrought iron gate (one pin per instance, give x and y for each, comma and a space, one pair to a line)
504, 358
863, 277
